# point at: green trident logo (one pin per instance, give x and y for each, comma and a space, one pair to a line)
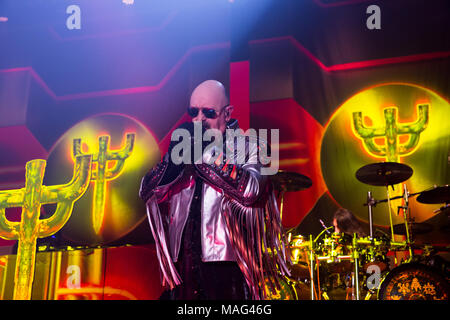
31, 227
101, 174
392, 150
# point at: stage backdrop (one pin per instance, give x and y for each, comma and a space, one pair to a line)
312, 69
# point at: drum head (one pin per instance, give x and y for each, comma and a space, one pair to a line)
413, 281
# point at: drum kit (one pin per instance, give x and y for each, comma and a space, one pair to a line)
339, 266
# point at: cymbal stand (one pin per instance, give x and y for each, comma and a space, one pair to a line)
406, 219
311, 265
390, 212
356, 264
370, 203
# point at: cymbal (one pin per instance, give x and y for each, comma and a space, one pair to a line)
290, 181
435, 195
416, 228
384, 173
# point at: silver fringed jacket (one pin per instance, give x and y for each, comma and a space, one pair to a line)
234, 197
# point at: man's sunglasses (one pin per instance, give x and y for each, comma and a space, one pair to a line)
209, 113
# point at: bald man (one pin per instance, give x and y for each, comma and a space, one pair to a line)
209, 220
210, 98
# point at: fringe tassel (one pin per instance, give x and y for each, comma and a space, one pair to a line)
169, 273
257, 237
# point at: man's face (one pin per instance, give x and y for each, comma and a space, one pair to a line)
336, 228
213, 109
212, 117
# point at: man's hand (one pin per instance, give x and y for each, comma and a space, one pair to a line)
187, 143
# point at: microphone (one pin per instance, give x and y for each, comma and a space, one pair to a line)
194, 138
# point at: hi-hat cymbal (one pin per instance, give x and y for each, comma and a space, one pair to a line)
435, 195
290, 181
416, 228
384, 173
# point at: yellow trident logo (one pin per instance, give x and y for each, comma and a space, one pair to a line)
390, 132
31, 227
101, 173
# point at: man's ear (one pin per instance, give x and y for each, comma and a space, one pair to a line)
228, 110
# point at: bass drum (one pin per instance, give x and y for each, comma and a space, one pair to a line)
289, 290
285, 292
413, 281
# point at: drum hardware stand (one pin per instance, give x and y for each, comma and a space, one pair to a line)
333, 255
390, 211
406, 218
311, 265
353, 285
356, 262
370, 202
